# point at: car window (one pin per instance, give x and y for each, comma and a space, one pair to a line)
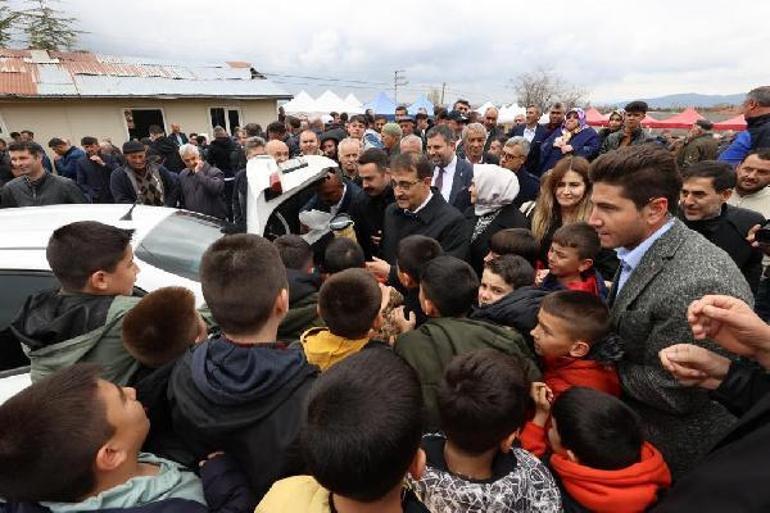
177, 243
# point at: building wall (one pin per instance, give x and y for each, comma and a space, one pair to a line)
76, 118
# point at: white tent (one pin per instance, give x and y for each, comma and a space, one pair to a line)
329, 102
354, 104
302, 103
509, 112
481, 110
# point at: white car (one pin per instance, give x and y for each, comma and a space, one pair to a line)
168, 243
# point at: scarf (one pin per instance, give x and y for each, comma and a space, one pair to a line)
495, 187
566, 135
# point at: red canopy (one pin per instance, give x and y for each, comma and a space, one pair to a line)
595, 118
684, 119
736, 123
649, 121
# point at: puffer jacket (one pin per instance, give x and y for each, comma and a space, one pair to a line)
48, 190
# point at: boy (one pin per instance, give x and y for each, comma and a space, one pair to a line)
240, 391
342, 253
600, 457
349, 304
413, 253
574, 249
361, 438
514, 241
448, 288
507, 295
304, 282
81, 322
474, 466
73, 439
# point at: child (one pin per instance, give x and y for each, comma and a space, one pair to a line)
81, 322
342, 253
507, 295
474, 466
240, 391
574, 249
349, 304
157, 332
514, 241
304, 282
360, 439
448, 288
600, 457
413, 253
72, 441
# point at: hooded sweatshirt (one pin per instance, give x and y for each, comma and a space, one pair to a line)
248, 401
517, 310
628, 490
58, 330
430, 348
303, 305
323, 348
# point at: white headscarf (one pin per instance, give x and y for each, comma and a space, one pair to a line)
495, 186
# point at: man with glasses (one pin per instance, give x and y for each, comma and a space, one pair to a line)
513, 156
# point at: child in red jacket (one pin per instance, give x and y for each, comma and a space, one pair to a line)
573, 340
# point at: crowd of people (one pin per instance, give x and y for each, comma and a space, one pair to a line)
546, 318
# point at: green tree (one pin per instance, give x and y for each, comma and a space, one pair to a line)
47, 28
8, 23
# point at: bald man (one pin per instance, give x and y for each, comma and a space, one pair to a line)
411, 143
278, 150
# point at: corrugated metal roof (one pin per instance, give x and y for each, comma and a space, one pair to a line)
91, 75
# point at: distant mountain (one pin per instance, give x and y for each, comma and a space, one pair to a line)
691, 100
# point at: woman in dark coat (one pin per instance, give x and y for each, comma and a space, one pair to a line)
492, 193
574, 138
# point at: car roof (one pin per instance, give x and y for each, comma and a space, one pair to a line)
31, 227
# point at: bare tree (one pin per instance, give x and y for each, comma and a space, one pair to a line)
47, 28
8, 23
543, 88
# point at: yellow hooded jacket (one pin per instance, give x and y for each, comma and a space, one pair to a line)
323, 348
299, 494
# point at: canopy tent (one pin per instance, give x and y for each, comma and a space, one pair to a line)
736, 123
596, 118
481, 110
421, 103
649, 121
302, 103
354, 105
508, 113
684, 119
330, 102
381, 104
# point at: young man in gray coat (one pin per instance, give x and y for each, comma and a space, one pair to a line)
664, 267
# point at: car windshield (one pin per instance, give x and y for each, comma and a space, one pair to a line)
176, 244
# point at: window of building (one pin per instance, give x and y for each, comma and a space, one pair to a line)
228, 118
138, 121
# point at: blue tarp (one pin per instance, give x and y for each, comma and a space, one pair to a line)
421, 103
381, 104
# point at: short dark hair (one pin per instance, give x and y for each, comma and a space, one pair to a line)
600, 429
155, 130
761, 153
252, 129
705, 124
161, 326
721, 173
241, 277
374, 156
99, 247
56, 141
349, 302
513, 269
32, 147
276, 127
637, 106
295, 251
400, 107
343, 253
52, 432
380, 116
89, 141
442, 131
293, 122
450, 284
643, 172
378, 393
414, 252
28, 132
14, 135
359, 118
462, 101
516, 241
585, 314
482, 399
413, 161
580, 236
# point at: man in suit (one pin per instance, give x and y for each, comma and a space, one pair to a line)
533, 132
664, 267
452, 176
474, 137
177, 136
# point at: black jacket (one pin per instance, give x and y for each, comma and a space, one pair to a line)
246, 401
94, 180
732, 476
509, 217
529, 187
168, 151
533, 158
5, 168
368, 212
759, 129
728, 231
203, 191
123, 191
48, 190
352, 194
517, 310
437, 220
220, 150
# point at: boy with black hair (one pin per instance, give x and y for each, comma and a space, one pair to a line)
448, 288
349, 304
571, 258
343, 253
507, 295
413, 253
73, 443
81, 321
304, 283
474, 466
600, 458
514, 241
240, 391
360, 469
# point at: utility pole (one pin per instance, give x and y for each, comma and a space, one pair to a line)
443, 88
399, 80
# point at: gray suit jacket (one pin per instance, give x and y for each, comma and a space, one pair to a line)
649, 314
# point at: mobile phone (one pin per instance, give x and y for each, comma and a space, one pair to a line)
763, 236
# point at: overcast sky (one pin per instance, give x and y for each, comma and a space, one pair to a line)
614, 49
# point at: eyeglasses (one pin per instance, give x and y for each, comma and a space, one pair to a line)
511, 156
404, 186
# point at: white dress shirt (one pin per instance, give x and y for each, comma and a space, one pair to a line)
449, 176
529, 133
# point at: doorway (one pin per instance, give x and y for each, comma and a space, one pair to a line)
139, 121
